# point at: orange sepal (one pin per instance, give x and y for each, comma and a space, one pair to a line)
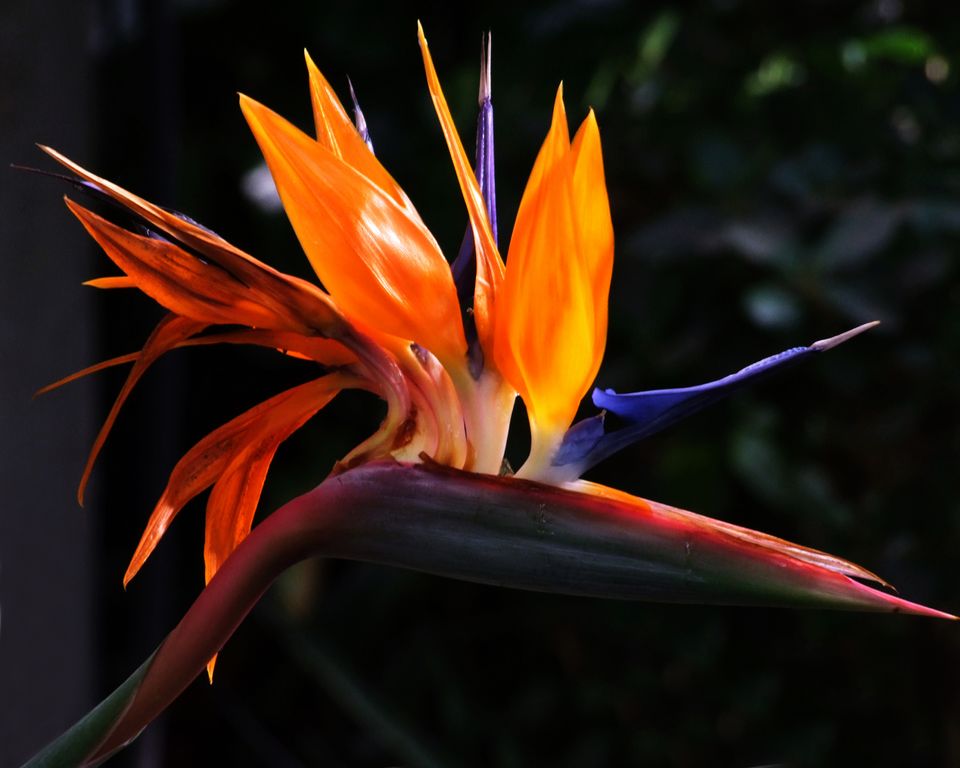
328, 352
177, 280
592, 205
324, 351
132, 357
114, 281
238, 454
302, 305
552, 319
381, 265
336, 132
170, 331
490, 270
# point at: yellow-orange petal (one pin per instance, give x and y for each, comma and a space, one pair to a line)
381, 265
553, 150
552, 317
336, 132
595, 225
490, 268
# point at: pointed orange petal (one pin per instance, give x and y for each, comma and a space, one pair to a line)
489, 264
236, 494
336, 132
101, 366
324, 351
207, 462
114, 281
302, 304
555, 147
194, 473
178, 281
595, 227
546, 328
233, 502
382, 266
551, 326
169, 332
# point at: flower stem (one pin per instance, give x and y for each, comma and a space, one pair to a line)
493, 530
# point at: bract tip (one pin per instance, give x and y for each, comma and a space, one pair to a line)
833, 341
358, 119
485, 52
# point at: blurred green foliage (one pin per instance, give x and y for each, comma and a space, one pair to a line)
778, 173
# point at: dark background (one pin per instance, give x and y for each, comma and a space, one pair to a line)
777, 174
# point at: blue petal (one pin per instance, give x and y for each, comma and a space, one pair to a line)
644, 413
358, 119
464, 267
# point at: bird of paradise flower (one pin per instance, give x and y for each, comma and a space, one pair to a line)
448, 347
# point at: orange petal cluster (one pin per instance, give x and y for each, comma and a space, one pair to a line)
204, 281
390, 322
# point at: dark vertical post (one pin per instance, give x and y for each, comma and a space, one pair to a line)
46, 330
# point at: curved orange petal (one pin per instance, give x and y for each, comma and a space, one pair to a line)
114, 281
490, 268
328, 352
336, 132
381, 265
230, 509
170, 332
552, 320
595, 225
131, 357
233, 500
324, 351
302, 304
207, 462
179, 281
554, 149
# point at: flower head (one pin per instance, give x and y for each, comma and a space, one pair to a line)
447, 348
